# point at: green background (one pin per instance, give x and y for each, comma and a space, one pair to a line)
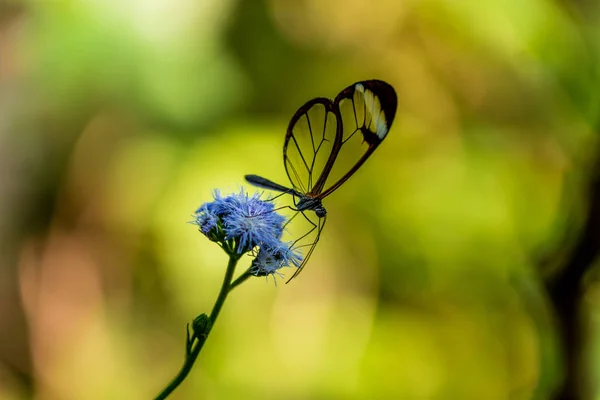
119, 118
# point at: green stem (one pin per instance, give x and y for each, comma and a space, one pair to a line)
241, 279
192, 355
233, 260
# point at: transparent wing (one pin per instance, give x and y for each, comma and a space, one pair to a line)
307, 242
309, 143
366, 110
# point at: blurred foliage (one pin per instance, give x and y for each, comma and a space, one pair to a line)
117, 119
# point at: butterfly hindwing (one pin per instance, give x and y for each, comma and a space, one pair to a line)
308, 241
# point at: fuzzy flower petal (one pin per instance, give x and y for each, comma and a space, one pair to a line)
206, 219
246, 220
270, 259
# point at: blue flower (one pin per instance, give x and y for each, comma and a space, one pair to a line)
240, 222
206, 218
272, 257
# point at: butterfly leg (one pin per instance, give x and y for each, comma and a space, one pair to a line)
319, 226
290, 219
314, 226
277, 196
280, 208
295, 208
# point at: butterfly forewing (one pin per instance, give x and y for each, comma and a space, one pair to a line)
309, 144
366, 110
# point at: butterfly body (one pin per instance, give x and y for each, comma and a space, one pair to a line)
318, 132
311, 203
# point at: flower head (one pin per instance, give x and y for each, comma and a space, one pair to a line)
240, 221
271, 258
208, 220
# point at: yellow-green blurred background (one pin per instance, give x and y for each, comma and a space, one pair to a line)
119, 118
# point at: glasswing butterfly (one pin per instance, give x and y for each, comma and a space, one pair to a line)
360, 114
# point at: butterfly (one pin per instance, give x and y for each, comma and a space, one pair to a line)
359, 117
